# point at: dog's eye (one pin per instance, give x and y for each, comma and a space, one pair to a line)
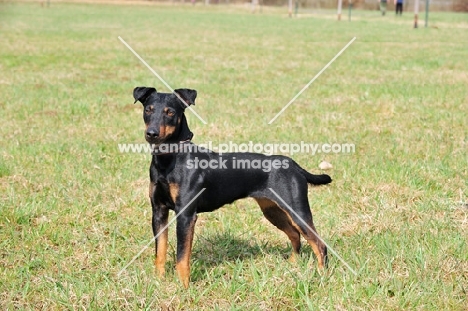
170, 113
149, 110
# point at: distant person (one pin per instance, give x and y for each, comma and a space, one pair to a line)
398, 6
383, 6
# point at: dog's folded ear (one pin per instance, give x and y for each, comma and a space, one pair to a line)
141, 93
187, 95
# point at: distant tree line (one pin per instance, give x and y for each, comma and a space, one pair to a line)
435, 5
439, 5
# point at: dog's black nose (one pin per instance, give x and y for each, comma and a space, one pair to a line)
152, 133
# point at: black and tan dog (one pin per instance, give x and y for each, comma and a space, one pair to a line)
277, 183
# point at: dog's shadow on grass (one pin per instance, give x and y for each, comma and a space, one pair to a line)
214, 250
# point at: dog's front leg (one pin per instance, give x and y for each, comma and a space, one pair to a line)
159, 221
160, 232
185, 233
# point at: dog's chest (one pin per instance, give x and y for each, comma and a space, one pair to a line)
166, 193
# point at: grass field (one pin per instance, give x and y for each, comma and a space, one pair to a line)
74, 210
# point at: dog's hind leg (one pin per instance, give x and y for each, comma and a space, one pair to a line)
305, 225
281, 220
295, 205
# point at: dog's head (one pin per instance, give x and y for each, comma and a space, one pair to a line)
163, 114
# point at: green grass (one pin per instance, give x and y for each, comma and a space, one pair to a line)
74, 211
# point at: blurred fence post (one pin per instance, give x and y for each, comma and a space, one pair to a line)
427, 12
340, 2
350, 8
416, 11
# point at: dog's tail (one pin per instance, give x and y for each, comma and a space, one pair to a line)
322, 179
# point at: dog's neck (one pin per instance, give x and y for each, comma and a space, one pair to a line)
184, 134
164, 163
165, 160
